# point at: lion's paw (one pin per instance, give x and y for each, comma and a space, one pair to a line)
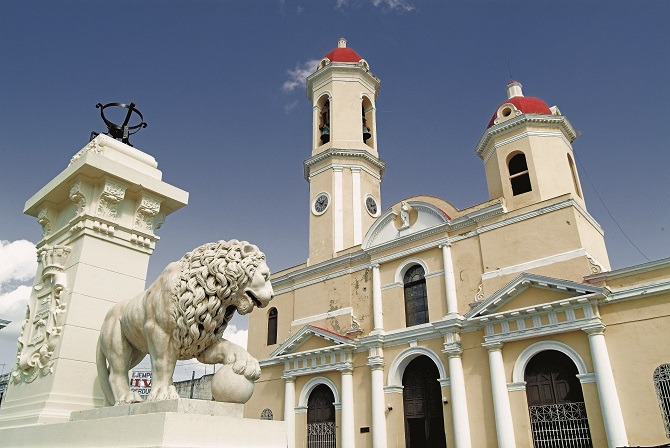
246, 365
160, 393
129, 398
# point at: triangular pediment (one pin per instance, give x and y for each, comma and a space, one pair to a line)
530, 290
312, 339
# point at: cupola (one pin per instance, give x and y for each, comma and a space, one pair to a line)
518, 104
343, 54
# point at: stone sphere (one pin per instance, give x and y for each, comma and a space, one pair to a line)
230, 387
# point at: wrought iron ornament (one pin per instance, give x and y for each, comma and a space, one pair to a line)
121, 131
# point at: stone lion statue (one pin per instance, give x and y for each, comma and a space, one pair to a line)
181, 316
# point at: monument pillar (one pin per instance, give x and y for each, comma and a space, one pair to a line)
99, 217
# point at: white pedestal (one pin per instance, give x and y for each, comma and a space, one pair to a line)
99, 217
171, 423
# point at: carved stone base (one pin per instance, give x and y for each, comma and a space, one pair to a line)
171, 423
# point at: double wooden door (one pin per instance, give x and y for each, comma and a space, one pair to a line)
422, 400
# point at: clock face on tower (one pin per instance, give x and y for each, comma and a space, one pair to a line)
321, 203
371, 206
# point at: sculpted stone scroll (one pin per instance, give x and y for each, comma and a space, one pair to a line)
183, 315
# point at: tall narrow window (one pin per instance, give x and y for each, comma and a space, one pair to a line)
416, 300
518, 174
324, 125
272, 326
573, 171
662, 385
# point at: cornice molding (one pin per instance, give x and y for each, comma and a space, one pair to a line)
488, 153
525, 120
347, 153
361, 259
628, 271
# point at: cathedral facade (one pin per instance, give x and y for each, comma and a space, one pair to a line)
423, 325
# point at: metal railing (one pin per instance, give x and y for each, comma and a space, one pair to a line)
560, 426
321, 435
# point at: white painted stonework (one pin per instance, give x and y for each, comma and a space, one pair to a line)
99, 217
173, 423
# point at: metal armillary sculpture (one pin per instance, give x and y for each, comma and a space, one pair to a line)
125, 130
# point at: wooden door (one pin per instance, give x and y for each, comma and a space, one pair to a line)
422, 401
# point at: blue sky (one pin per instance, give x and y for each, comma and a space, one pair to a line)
211, 80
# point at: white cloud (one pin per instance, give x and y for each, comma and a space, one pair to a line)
398, 5
18, 262
236, 336
297, 76
13, 304
13, 308
288, 108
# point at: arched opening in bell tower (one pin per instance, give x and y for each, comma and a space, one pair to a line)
368, 119
323, 122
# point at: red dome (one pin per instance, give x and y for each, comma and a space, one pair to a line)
343, 55
526, 104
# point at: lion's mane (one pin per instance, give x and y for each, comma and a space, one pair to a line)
206, 292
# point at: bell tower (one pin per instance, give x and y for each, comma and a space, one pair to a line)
527, 152
344, 171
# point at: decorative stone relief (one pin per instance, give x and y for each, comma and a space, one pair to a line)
112, 195
77, 196
146, 214
46, 217
596, 267
479, 295
44, 321
266, 414
404, 215
355, 327
92, 146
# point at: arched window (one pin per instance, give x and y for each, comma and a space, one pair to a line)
518, 174
368, 118
662, 385
324, 121
573, 171
416, 299
272, 326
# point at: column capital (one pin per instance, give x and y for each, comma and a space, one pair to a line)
288, 378
444, 244
493, 346
374, 265
376, 362
596, 328
346, 369
452, 350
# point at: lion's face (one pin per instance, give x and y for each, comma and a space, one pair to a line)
258, 292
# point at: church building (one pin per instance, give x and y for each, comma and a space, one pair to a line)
422, 325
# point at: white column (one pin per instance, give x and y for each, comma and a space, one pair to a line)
357, 204
289, 411
348, 432
609, 399
459, 404
449, 279
338, 209
376, 363
501, 406
377, 315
